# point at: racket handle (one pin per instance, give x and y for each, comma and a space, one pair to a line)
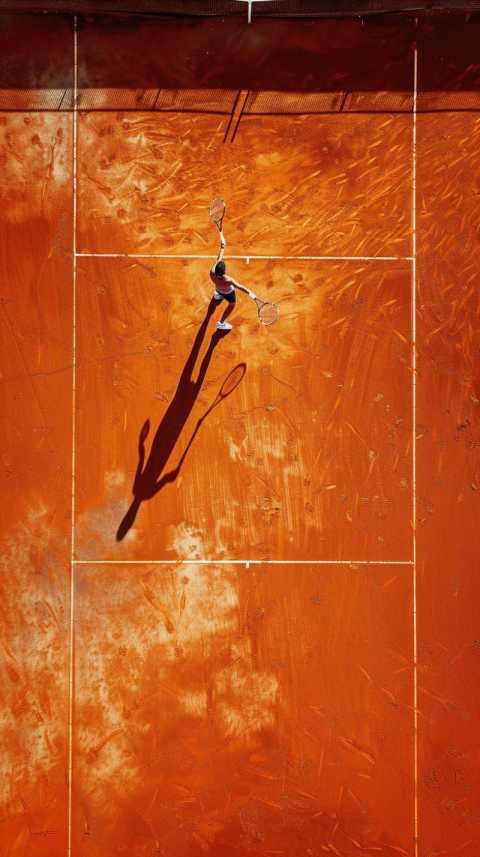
222, 239
252, 295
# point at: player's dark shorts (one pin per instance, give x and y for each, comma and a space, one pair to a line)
231, 297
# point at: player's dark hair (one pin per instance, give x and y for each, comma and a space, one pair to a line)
220, 268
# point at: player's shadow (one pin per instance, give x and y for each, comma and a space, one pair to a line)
147, 480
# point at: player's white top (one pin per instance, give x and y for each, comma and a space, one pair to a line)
224, 284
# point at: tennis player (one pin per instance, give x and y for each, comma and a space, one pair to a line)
224, 289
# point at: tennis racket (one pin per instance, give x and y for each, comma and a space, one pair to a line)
267, 312
217, 213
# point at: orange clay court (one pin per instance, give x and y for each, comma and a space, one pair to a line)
240, 569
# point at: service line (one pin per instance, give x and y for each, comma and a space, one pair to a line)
134, 256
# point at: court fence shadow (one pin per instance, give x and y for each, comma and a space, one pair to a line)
148, 479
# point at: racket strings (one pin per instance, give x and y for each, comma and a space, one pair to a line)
268, 313
217, 210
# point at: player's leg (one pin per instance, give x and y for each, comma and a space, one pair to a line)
229, 309
231, 301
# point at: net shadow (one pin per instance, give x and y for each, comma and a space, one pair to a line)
201, 64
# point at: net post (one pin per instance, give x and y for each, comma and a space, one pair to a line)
249, 20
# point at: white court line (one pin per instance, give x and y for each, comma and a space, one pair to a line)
414, 450
241, 562
74, 343
134, 256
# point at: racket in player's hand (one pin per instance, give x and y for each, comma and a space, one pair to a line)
267, 312
217, 213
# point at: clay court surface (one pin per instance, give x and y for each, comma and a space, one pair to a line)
252, 628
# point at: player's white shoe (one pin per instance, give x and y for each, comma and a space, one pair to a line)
223, 325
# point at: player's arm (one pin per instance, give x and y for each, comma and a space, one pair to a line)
219, 258
238, 286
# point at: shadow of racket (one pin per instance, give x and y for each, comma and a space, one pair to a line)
230, 384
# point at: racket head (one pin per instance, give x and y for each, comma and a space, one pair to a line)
217, 211
268, 313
